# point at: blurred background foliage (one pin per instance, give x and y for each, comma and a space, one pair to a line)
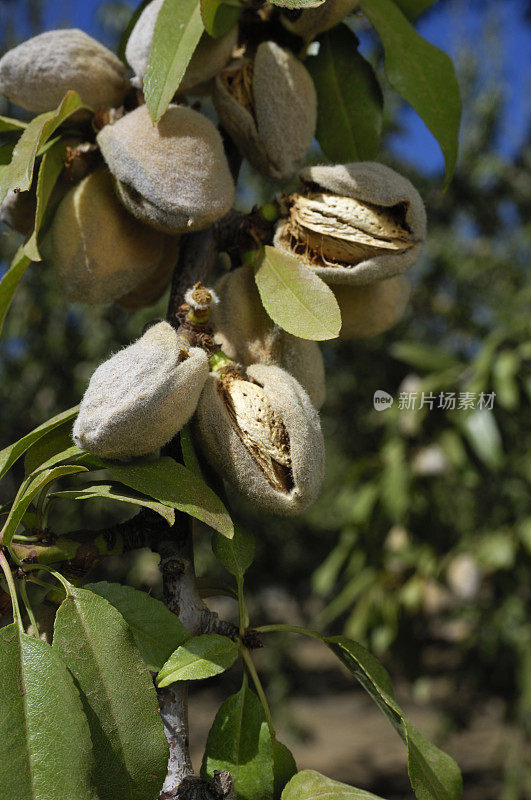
420, 543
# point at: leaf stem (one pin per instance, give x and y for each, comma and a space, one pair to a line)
25, 599
67, 586
289, 629
242, 610
42, 583
259, 689
12, 589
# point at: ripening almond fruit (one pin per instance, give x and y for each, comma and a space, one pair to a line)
309, 22
142, 396
37, 73
268, 105
248, 335
172, 175
371, 310
99, 251
260, 431
209, 58
151, 289
353, 223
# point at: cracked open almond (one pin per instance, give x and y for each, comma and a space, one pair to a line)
354, 223
259, 430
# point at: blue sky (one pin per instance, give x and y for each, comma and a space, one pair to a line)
450, 24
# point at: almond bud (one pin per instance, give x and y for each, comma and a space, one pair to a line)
99, 251
261, 432
308, 23
269, 107
249, 336
172, 175
209, 58
141, 397
37, 74
370, 310
354, 223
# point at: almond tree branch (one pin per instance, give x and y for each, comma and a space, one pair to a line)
197, 256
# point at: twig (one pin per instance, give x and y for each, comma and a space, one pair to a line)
82, 550
197, 256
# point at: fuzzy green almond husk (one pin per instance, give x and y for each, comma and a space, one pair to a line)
209, 58
99, 251
142, 396
308, 23
371, 310
248, 335
365, 204
37, 73
273, 121
223, 448
151, 289
172, 175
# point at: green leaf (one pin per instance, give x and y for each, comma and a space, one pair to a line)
9, 124
10, 281
219, 17
423, 357
201, 657
239, 741
432, 773
10, 454
156, 630
295, 298
175, 486
395, 479
349, 99
19, 173
56, 440
6, 154
235, 554
413, 8
189, 455
45, 747
310, 785
177, 32
505, 370
51, 166
27, 492
421, 73
110, 491
284, 767
482, 432
118, 695
72, 452
359, 660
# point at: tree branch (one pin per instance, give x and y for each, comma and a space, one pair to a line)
82, 550
197, 256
